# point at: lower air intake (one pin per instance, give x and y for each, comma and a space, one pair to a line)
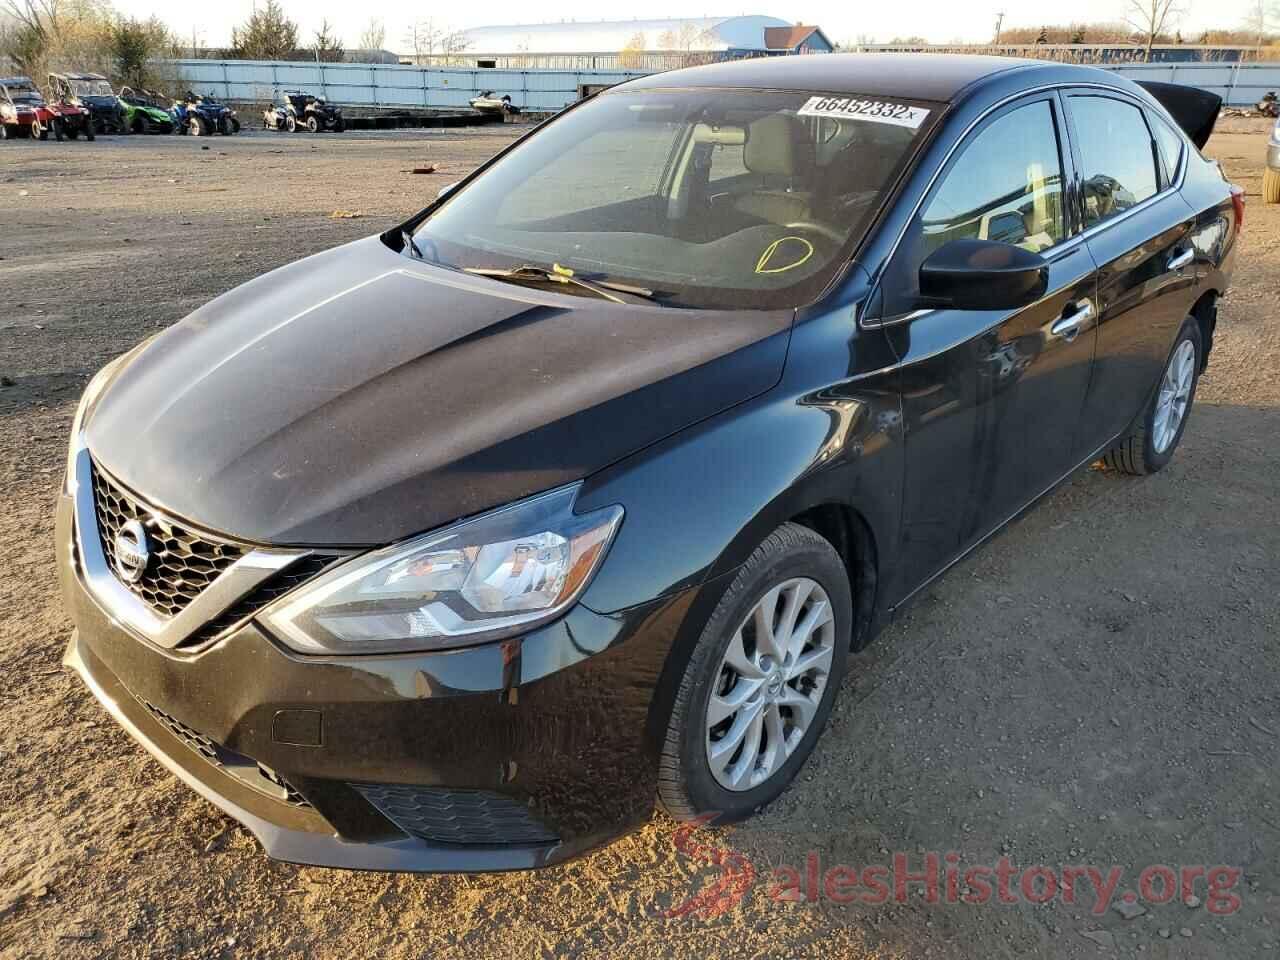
442, 815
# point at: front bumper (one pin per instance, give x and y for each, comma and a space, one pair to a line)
548, 735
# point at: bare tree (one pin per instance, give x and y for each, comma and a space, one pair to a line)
1259, 18
374, 36
327, 45
1150, 18
422, 37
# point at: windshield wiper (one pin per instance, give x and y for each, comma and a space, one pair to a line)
409, 244
559, 274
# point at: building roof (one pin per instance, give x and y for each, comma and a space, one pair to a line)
607, 36
788, 38
919, 76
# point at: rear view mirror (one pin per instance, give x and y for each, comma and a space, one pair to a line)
982, 275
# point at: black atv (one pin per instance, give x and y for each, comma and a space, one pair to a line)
92, 92
198, 116
297, 108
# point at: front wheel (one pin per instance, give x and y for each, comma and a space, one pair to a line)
198, 127
88, 132
1154, 438
760, 681
313, 125
291, 125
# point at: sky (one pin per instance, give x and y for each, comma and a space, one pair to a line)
939, 21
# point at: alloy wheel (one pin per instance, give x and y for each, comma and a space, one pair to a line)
1175, 392
769, 684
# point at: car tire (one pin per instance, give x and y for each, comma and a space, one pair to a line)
1151, 442
198, 127
59, 130
1271, 186
89, 133
4, 131
756, 768
291, 124
313, 125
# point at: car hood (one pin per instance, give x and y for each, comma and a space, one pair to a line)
359, 396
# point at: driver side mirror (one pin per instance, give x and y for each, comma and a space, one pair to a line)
982, 275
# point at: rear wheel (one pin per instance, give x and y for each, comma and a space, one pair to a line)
1153, 439
339, 126
198, 127
760, 682
88, 132
313, 125
291, 124
1271, 186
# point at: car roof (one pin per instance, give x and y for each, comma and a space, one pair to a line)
941, 77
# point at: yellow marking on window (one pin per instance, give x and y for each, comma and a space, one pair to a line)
771, 249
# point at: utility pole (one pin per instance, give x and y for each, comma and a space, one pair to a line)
999, 24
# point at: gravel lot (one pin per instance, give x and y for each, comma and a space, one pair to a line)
1098, 686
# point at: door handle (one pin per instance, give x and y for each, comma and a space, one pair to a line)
1073, 318
1181, 260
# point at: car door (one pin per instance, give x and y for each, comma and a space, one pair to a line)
991, 399
1138, 229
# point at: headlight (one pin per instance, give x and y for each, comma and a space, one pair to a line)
473, 582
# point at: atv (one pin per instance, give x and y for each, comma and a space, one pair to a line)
145, 112
91, 92
299, 108
201, 117
25, 112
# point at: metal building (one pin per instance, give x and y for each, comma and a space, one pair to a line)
631, 44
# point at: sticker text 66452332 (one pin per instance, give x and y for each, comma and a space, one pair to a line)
875, 111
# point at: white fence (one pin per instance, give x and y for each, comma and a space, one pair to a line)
384, 85
1238, 84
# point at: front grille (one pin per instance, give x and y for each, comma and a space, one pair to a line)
442, 815
244, 768
183, 562
271, 589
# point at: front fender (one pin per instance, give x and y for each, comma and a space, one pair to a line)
698, 503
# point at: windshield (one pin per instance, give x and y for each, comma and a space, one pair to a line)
25, 94
707, 198
92, 88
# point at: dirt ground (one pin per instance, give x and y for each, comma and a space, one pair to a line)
1097, 686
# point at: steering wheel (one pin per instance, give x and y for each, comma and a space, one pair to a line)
819, 228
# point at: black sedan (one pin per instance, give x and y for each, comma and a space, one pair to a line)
455, 547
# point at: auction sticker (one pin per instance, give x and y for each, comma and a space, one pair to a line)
876, 111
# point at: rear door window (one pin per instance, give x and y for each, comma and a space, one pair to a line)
1118, 159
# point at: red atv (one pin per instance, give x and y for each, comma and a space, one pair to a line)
24, 113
